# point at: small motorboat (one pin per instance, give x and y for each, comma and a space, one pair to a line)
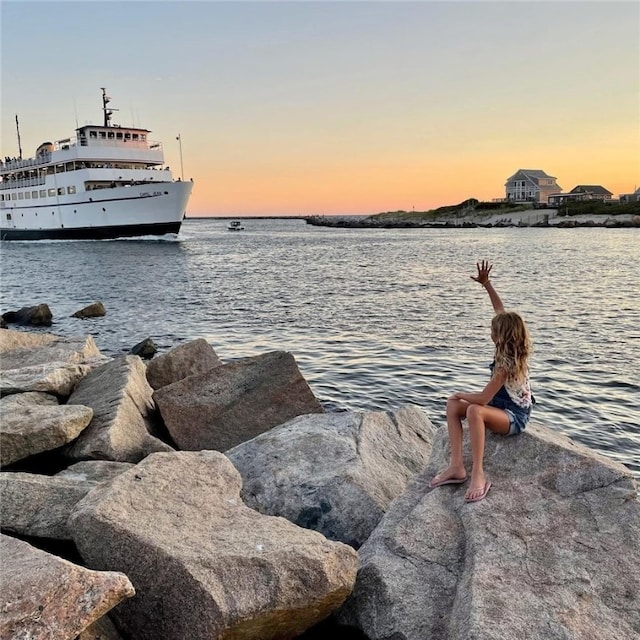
235, 225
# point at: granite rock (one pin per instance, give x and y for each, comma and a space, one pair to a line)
203, 564
335, 473
235, 402
552, 552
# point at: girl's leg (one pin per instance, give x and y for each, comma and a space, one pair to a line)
479, 417
456, 411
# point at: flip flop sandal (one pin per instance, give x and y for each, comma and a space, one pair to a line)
482, 496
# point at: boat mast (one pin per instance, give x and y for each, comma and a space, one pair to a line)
19, 143
108, 111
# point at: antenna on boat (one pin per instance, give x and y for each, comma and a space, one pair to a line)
108, 111
75, 111
19, 143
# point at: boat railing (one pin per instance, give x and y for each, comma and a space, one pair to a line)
11, 164
44, 157
23, 182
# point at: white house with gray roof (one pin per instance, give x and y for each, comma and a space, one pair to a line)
531, 185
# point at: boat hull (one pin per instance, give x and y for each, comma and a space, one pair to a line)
92, 233
102, 214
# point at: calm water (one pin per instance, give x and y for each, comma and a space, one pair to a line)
375, 318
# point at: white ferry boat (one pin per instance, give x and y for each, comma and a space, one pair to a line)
107, 181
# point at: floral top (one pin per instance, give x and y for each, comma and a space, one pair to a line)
519, 393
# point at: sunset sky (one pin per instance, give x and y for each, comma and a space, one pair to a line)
292, 108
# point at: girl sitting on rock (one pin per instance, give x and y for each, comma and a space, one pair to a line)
504, 405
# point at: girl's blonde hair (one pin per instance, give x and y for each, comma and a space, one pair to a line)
513, 345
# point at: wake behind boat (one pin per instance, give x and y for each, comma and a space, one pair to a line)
106, 182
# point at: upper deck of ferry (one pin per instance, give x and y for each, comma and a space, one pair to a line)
98, 143
93, 142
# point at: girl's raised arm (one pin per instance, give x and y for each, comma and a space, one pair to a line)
484, 269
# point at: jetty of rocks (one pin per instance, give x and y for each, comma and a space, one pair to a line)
190, 498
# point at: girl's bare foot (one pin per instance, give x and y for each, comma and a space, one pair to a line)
450, 475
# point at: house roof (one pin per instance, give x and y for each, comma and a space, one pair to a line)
535, 173
532, 174
591, 188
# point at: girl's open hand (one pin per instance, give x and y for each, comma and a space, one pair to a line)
484, 269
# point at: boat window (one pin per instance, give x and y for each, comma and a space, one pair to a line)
34, 194
52, 192
60, 191
59, 168
93, 134
14, 196
8, 216
110, 134
21, 196
27, 195
43, 193
103, 134
135, 136
127, 136
71, 189
69, 166
119, 135
143, 136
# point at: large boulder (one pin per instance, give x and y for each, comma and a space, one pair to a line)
235, 402
145, 349
38, 316
552, 552
21, 349
94, 310
31, 423
43, 597
39, 505
121, 399
203, 564
188, 359
45, 362
335, 473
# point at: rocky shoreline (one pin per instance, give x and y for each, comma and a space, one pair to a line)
470, 218
186, 498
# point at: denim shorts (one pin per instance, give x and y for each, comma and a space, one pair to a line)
518, 418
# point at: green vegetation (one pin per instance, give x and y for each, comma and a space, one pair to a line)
598, 208
465, 208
